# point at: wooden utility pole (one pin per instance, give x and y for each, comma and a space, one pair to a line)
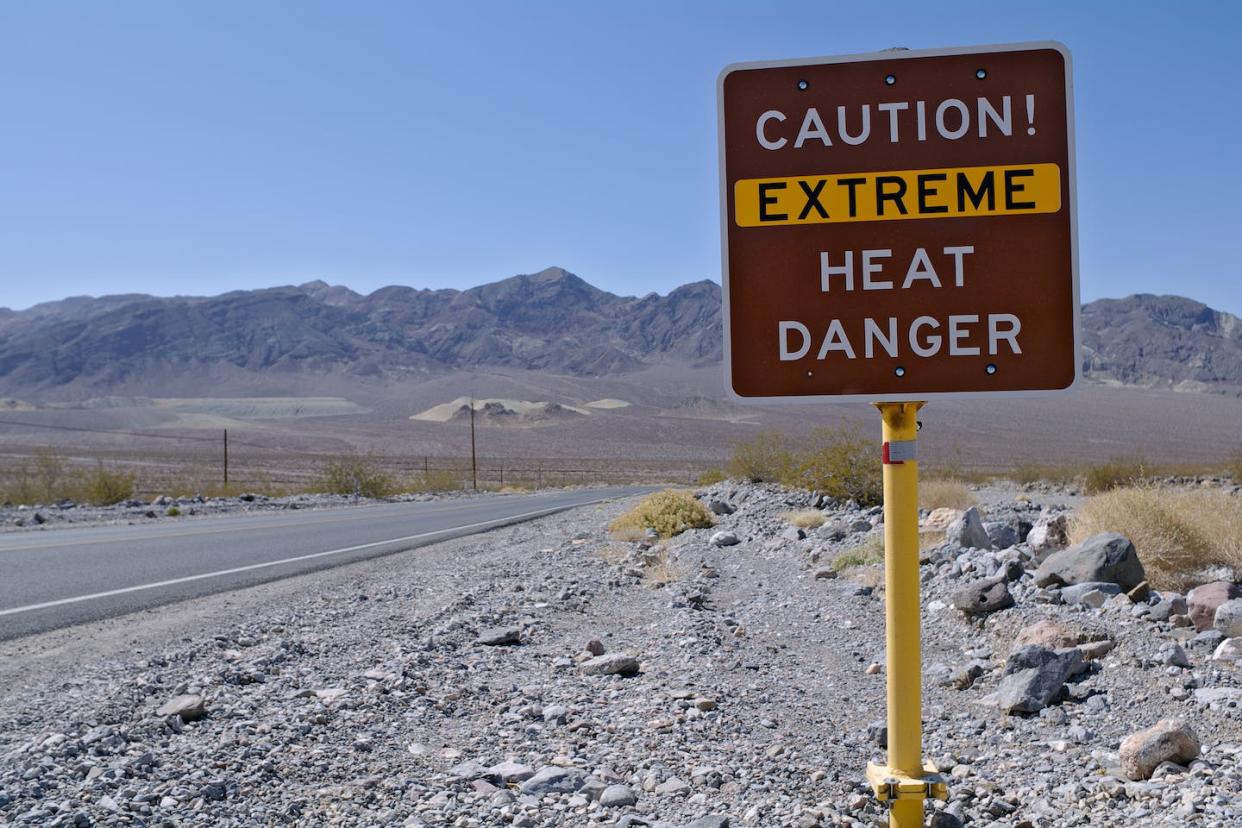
474, 459
226, 458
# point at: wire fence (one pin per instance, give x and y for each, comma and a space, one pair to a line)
162, 463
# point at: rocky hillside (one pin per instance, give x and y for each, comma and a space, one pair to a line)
1162, 341
550, 321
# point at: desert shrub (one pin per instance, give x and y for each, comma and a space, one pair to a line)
842, 463
766, 458
102, 486
173, 511
355, 474
951, 494
1179, 534
668, 512
870, 551
659, 570
711, 476
1113, 475
805, 519
436, 481
1233, 467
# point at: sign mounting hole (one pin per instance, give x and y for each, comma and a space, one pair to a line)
890, 79
804, 85
981, 73
990, 369
899, 371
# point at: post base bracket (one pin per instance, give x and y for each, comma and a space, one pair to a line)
889, 783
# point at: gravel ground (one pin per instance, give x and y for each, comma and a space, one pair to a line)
460, 685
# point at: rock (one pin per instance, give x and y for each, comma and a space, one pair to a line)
1002, 535
720, 507
1092, 650
189, 707
1228, 618
1076, 593
793, 533
1218, 695
1169, 740
1048, 633
555, 713
1210, 639
1172, 655
708, 822
825, 574
671, 787
469, 770
1107, 557
500, 637
617, 796
725, 538
877, 734
610, 664
944, 819
1049, 534
510, 771
1229, 650
1202, 601
552, 779
1170, 604
1140, 593
968, 532
983, 597
1033, 677
941, 519
595, 647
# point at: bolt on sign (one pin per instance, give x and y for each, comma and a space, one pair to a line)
900, 225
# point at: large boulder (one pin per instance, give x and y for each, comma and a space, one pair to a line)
1050, 533
1228, 618
1033, 677
1202, 601
1107, 557
983, 597
189, 707
552, 779
1048, 633
968, 532
611, 664
941, 519
1168, 740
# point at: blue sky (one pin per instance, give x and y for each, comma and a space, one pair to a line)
200, 147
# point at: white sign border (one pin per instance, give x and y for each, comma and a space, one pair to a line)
898, 54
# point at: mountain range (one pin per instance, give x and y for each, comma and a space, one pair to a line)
551, 321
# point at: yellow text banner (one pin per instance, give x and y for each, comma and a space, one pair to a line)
1011, 190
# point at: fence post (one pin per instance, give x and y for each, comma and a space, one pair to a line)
226, 458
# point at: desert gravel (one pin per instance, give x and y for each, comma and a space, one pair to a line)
548, 675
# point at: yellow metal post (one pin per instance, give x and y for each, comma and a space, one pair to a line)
905, 781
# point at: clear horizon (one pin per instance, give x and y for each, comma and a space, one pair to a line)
193, 150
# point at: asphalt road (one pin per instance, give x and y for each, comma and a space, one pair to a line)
56, 578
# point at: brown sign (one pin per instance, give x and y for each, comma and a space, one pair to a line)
899, 225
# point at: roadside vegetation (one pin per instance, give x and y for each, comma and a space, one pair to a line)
806, 518
945, 493
668, 513
840, 462
359, 475
1181, 535
48, 478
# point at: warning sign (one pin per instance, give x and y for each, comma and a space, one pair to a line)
900, 225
